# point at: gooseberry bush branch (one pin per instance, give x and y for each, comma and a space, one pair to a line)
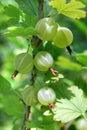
37, 42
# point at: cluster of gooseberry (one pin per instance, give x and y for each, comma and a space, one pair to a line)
46, 96
24, 63
48, 30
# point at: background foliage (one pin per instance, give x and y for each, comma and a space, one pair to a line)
17, 22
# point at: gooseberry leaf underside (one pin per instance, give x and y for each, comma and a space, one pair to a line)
69, 109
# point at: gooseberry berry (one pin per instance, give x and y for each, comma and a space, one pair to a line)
23, 63
43, 61
46, 96
63, 37
29, 95
46, 28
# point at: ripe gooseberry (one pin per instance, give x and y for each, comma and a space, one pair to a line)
46, 96
29, 95
46, 28
63, 37
43, 61
23, 63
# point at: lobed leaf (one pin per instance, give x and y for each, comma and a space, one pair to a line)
69, 109
71, 9
58, 4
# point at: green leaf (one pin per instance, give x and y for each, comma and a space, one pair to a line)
29, 21
28, 6
8, 2
12, 11
71, 9
82, 58
14, 15
69, 109
13, 106
68, 64
20, 31
5, 86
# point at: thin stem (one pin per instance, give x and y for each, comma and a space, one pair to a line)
26, 117
40, 8
33, 78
